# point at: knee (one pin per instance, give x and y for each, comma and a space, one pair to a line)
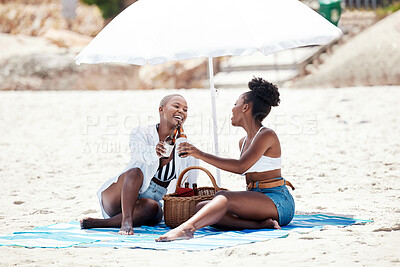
222, 197
134, 174
222, 193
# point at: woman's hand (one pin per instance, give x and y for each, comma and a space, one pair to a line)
160, 149
186, 149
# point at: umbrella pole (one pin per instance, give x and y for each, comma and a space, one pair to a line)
214, 112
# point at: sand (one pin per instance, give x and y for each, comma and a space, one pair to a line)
340, 149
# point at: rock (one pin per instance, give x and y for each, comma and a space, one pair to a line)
33, 63
59, 72
66, 38
189, 73
36, 17
20, 45
25, 60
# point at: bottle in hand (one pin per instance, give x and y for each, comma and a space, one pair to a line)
182, 138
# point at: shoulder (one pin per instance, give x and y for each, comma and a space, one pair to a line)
267, 131
267, 134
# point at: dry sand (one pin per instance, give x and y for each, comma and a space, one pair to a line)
340, 149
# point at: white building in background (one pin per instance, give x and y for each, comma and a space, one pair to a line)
69, 8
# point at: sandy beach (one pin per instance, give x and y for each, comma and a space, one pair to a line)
340, 147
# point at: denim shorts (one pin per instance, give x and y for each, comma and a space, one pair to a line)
154, 191
283, 201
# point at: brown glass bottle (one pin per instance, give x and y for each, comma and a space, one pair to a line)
182, 138
195, 190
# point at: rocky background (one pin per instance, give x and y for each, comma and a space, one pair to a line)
38, 17
38, 45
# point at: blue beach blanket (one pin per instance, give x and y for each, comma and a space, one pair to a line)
64, 235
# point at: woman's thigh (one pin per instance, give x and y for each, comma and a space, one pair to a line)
250, 205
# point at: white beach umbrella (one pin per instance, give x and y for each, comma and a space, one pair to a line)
157, 31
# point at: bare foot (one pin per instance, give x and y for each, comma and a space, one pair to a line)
270, 224
87, 223
179, 233
126, 229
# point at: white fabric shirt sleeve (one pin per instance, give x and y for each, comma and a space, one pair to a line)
142, 146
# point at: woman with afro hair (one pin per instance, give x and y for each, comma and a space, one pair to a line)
267, 203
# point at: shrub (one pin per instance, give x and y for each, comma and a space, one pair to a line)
108, 8
385, 11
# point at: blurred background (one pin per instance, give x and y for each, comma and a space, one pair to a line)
40, 38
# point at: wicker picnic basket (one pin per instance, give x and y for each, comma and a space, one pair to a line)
179, 209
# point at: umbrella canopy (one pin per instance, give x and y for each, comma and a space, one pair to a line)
157, 31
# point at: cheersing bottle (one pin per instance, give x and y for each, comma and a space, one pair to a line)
181, 139
169, 143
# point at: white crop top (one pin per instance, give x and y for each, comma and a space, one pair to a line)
264, 163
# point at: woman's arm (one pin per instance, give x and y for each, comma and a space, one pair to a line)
263, 141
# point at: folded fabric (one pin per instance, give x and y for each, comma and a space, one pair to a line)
184, 192
64, 235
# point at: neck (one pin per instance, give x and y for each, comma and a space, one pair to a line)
251, 127
164, 129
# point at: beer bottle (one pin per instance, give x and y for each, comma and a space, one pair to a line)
195, 190
181, 139
169, 143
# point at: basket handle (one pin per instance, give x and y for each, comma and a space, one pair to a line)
178, 183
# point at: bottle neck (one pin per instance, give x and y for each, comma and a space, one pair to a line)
174, 133
181, 133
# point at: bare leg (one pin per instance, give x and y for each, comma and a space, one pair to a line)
121, 197
233, 222
129, 194
248, 206
146, 212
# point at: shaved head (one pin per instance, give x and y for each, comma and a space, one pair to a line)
167, 98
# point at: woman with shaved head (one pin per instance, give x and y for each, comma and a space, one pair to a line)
133, 197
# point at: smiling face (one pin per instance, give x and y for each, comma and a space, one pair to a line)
238, 111
174, 111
